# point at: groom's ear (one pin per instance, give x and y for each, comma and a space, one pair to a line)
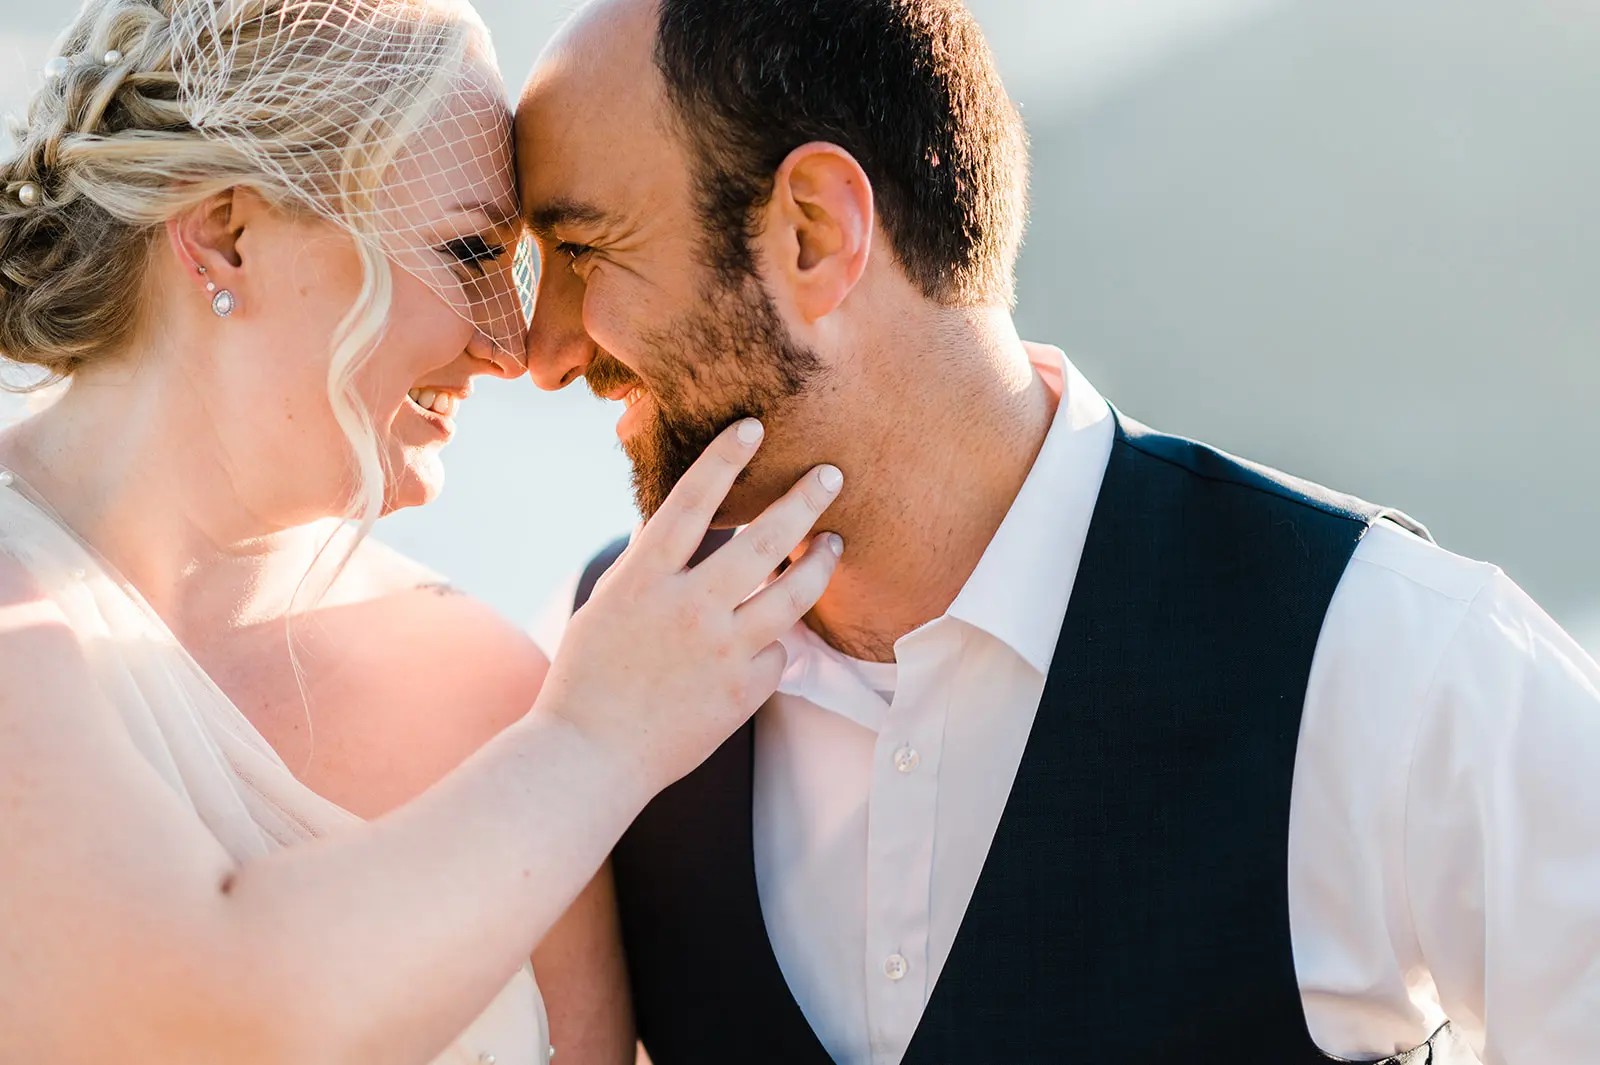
820, 223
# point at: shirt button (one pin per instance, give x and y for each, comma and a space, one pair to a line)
906, 759
895, 967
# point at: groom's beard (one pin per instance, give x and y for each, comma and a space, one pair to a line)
729, 360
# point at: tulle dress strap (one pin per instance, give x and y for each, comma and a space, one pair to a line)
202, 745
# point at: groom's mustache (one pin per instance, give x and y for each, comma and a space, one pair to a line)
605, 375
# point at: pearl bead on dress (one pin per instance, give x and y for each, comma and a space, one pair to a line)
6, 479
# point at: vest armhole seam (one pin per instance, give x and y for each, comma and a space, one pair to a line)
1305, 503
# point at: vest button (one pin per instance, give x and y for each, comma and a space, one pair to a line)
895, 967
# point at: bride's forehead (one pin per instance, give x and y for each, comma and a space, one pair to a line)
466, 123
465, 148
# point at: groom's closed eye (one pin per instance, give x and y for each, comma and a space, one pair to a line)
574, 252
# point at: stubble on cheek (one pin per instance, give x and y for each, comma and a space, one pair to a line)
732, 359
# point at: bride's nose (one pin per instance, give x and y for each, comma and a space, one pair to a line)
501, 358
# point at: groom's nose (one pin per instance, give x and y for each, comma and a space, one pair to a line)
559, 349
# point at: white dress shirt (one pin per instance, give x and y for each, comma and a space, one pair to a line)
1444, 846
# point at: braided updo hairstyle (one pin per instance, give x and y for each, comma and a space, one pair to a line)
152, 106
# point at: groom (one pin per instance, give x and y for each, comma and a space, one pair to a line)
1103, 745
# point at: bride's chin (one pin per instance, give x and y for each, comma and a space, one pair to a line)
420, 482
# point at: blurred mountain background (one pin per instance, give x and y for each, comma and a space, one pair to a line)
1351, 238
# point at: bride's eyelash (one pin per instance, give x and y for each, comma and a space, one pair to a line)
473, 252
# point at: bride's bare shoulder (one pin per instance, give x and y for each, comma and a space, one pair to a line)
421, 676
394, 602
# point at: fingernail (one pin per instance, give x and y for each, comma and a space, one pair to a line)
830, 477
835, 544
751, 431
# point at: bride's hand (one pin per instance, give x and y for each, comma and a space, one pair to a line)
665, 663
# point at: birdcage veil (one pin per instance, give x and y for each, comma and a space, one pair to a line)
384, 116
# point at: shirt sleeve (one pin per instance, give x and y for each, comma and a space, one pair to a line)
1502, 834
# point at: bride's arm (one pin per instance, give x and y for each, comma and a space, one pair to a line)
130, 935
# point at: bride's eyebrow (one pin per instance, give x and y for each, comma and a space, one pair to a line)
494, 213
546, 218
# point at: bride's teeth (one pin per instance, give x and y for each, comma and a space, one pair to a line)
444, 404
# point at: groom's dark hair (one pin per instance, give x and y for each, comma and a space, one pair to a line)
908, 87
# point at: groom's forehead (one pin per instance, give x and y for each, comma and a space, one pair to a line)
608, 38
592, 112
597, 74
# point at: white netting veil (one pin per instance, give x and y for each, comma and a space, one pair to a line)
385, 116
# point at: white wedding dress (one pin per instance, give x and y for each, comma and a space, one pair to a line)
204, 747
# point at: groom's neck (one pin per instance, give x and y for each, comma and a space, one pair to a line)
939, 450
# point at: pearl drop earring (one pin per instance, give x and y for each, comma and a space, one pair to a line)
223, 303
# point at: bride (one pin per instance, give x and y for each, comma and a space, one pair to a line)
271, 793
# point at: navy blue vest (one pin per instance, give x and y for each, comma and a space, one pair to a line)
1133, 907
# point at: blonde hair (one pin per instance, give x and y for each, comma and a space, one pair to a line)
157, 105
154, 106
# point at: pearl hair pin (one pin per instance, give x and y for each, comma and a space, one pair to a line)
29, 195
59, 65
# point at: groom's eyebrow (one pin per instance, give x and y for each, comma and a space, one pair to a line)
545, 219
